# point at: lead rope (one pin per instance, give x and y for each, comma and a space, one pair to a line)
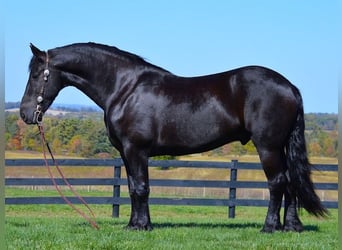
92, 219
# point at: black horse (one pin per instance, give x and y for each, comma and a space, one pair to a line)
149, 111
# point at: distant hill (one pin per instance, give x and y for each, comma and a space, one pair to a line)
324, 121
12, 105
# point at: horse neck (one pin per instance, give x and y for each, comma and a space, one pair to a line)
105, 77
94, 75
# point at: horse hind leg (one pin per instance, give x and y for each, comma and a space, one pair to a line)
274, 165
291, 219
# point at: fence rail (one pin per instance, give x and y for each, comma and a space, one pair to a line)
116, 200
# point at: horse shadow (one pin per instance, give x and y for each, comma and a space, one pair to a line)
208, 225
202, 225
258, 226
165, 225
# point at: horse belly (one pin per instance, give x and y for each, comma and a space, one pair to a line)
183, 130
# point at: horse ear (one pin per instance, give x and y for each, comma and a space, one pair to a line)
37, 52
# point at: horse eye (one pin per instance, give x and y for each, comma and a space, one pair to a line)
34, 75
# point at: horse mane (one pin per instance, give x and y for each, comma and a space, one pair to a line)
125, 55
112, 50
116, 51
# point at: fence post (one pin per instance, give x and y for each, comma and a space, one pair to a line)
116, 191
232, 190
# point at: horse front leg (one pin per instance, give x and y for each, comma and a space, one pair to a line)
136, 164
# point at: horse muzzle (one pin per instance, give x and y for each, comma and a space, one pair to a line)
31, 116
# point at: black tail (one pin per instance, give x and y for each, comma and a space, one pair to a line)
300, 168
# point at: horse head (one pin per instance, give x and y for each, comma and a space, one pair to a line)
43, 85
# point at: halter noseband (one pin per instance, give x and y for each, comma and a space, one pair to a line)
38, 114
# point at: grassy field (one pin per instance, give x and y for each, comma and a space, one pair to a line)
175, 227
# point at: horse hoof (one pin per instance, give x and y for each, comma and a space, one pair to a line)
271, 228
139, 227
267, 230
294, 228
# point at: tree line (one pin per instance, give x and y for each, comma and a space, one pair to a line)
84, 134
81, 135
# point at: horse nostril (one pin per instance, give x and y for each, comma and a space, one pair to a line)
23, 116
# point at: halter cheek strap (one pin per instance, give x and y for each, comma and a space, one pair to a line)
46, 74
41, 93
38, 114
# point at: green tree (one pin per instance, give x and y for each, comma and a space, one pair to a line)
250, 148
75, 144
237, 149
66, 129
30, 139
99, 139
11, 126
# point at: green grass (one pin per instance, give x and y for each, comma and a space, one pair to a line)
175, 227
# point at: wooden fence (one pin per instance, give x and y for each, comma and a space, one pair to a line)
232, 184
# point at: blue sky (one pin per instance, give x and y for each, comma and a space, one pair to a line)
299, 39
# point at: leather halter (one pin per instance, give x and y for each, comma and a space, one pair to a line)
38, 114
